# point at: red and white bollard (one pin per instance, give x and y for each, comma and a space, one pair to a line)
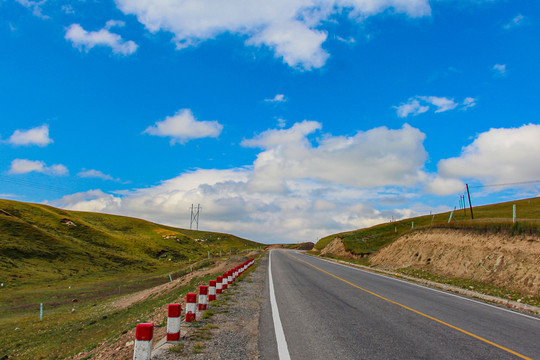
191, 307
212, 290
203, 297
144, 334
229, 277
173, 322
219, 279
225, 281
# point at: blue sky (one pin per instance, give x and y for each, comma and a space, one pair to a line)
286, 120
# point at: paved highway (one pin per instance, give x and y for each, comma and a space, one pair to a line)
324, 310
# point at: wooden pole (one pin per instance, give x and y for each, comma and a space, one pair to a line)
470, 205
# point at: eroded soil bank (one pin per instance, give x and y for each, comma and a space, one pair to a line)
500, 259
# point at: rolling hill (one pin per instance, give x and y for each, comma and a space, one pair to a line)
495, 218
42, 243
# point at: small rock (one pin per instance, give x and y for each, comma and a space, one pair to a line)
16, 329
73, 310
518, 300
130, 343
75, 300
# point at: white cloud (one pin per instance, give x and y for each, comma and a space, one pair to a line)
279, 137
518, 20
444, 186
36, 136
443, 104
96, 174
92, 200
420, 104
35, 6
23, 166
309, 211
86, 40
114, 23
501, 155
68, 9
292, 29
412, 106
468, 103
499, 69
279, 98
377, 157
183, 126
309, 191
349, 41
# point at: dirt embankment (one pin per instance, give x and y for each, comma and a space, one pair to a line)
500, 259
336, 248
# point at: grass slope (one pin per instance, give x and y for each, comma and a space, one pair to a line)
37, 245
496, 217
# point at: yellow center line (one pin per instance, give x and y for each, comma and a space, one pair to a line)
417, 312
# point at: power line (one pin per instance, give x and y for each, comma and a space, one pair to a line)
507, 184
34, 184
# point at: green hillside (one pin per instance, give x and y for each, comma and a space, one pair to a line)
42, 243
496, 217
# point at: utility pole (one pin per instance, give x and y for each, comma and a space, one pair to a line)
470, 205
195, 216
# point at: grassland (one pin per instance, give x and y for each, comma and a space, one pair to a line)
74, 262
496, 217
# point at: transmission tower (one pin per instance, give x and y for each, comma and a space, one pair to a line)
195, 216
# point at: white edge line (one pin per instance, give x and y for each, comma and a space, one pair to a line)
283, 350
427, 287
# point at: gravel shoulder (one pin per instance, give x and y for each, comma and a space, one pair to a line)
229, 329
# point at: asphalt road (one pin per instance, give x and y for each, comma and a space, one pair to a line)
331, 311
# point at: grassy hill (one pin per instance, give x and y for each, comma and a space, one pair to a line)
76, 264
496, 217
42, 243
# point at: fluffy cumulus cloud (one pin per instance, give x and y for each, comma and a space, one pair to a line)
23, 166
292, 29
439, 185
36, 136
502, 155
182, 127
378, 157
298, 188
86, 40
421, 104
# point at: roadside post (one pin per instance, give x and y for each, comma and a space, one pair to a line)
144, 335
212, 290
203, 297
191, 307
173, 322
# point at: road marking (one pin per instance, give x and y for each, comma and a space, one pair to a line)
417, 312
283, 350
427, 288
